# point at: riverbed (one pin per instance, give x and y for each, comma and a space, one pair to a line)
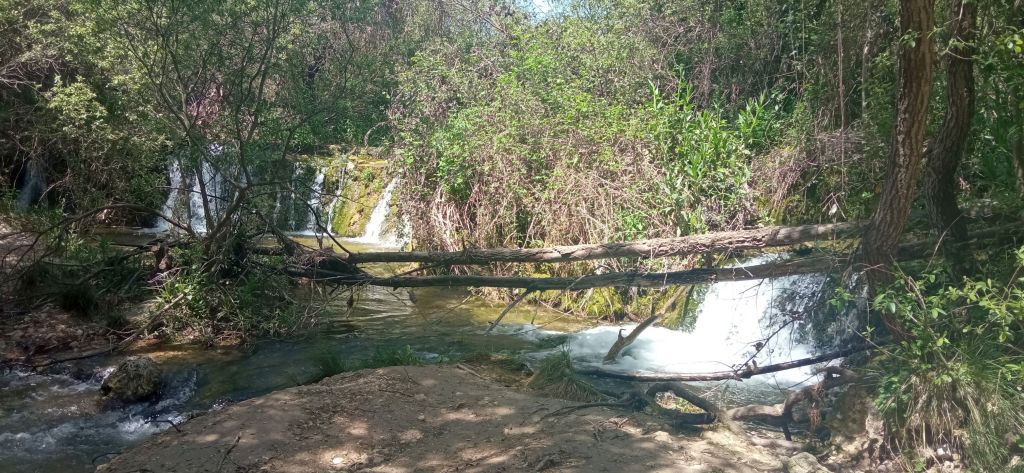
54, 421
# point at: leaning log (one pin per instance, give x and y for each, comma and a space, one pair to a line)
742, 373
767, 237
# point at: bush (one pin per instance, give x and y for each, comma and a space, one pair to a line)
956, 378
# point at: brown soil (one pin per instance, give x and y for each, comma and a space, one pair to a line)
47, 333
433, 419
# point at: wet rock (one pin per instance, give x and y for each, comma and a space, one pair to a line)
135, 379
803, 463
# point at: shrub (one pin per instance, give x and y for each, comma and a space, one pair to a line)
956, 378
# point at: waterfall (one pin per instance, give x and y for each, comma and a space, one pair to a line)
337, 197
732, 319
375, 226
33, 185
292, 211
316, 202
175, 178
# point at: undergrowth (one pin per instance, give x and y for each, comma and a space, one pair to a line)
556, 377
957, 379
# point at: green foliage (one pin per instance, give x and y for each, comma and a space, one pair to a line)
956, 377
330, 363
556, 377
257, 302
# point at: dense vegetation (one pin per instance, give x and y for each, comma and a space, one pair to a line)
515, 125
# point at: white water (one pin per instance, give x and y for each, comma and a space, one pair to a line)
336, 198
174, 176
33, 186
316, 203
733, 317
374, 232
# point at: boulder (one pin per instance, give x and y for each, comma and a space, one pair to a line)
803, 463
135, 379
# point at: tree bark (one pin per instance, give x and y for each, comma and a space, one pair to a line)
742, 373
656, 248
878, 247
1018, 152
946, 149
621, 279
622, 342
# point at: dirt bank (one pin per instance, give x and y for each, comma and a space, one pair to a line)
432, 419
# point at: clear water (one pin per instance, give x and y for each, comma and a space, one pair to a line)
53, 422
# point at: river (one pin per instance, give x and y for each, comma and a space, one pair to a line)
53, 421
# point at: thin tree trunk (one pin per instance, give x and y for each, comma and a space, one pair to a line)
1018, 158
946, 149
878, 247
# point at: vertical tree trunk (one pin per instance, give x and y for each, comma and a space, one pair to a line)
1018, 158
946, 149
915, 70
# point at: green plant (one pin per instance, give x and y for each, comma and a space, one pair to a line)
955, 377
555, 376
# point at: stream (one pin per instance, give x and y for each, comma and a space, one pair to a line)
53, 421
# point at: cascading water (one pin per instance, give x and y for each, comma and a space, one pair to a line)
292, 211
732, 321
33, 184
176, 180
374, 231
336, 198
217, 194
316, 204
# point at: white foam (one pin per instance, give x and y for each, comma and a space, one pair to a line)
733, 317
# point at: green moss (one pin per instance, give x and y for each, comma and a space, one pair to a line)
365, 178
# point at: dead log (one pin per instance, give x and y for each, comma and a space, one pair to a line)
746, 372
782, 414
622, 279
779, 414
714, 413
622, 342
767, 237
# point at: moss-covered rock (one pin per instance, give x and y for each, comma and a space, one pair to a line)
363, 178
135, 379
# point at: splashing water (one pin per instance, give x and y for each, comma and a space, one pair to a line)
373, 234
732, 321
34, 185
315, 203
174, 176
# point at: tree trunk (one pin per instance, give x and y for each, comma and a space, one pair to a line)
1018, 153
878, 247
744, 372
946, 149
656, 248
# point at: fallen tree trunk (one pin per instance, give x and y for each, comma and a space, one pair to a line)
767, 237
779, 414
338, 269
745, 372
624, 279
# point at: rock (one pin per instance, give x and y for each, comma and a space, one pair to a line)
803, 463
135, 379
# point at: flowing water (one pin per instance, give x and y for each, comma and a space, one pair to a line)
374, 232
54, 422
